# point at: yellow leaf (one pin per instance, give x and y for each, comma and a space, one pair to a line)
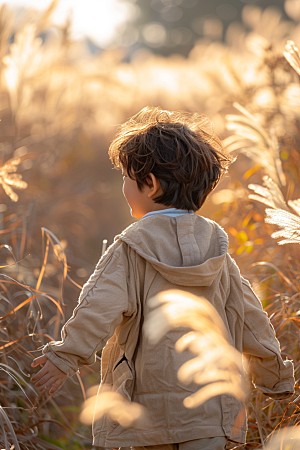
259, 241
284, 155
240, 250
251, 171
242, 237
233, 231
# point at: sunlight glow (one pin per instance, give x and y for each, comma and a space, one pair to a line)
98, 20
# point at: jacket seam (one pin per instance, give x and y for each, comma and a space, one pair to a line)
63, 361
147, 294
228, 271
99, 275
81, 305
111, 325
96, 346
85, 296
263, 345
251, 326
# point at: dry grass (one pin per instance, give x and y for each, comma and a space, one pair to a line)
114, 405
217, 365
57, 106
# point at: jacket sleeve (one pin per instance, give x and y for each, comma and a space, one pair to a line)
261, 350
102, 305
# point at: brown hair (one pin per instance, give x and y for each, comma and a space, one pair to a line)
178, 148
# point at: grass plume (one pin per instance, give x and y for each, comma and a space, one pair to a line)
217, 365
62, 102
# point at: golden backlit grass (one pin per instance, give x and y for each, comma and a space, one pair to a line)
217, 365
59, 106
113, 405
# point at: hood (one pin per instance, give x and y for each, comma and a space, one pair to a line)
187, 250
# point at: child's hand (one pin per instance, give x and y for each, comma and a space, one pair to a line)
49, 375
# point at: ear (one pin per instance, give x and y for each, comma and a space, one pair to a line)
153, 185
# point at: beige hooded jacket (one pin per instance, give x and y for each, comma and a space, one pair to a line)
158, 253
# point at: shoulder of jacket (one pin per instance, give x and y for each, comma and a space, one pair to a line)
131, 228
118, 249
115, 251
221, 234
215, 224
231, 262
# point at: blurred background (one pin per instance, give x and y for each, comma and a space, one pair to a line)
162, 26
71, 71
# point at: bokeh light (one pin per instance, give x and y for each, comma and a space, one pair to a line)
98, 20
154, 34
69, 77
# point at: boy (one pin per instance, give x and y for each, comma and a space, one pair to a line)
170, 164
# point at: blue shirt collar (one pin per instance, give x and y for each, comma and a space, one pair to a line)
172, 212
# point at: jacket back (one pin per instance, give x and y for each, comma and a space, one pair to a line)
159, 253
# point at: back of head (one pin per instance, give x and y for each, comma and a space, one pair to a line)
180, 149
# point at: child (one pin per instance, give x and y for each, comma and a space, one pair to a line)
170, 164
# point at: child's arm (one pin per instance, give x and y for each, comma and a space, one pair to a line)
49, 375
103, 303
261, 350
262, 357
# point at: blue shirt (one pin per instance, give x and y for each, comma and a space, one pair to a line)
172, 212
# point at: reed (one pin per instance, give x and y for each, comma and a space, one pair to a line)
59, 106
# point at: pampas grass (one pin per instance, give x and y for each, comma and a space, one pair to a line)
62, 103
217, 365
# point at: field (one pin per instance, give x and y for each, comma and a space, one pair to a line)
60, 198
